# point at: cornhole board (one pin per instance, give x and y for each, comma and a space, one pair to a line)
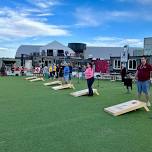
125, 107
53, 83
30, 78
83, 92
65, 86
37, 79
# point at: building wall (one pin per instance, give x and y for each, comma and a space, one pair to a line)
128, 65
138, 52
148, 46
107, 52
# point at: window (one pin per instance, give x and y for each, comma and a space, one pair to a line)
43, 53
49, 52
116, 64
132, 64
36, 54
60, 53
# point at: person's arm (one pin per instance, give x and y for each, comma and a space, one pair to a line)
136, 75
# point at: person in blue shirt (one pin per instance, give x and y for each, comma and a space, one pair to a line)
66, 73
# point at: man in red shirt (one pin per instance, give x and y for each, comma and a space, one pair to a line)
143, 79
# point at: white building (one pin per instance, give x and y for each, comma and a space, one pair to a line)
148, 46
56, 49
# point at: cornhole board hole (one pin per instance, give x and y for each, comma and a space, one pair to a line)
53, 83
37, 79
125, 107
30, 78
65, 86
83, 92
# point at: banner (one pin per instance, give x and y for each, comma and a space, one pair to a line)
37, 70
124, 54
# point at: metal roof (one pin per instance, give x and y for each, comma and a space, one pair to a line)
105, 52
27, 49
55, 45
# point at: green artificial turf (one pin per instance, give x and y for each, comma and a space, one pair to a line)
35, 118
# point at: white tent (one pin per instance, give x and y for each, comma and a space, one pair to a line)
55, 46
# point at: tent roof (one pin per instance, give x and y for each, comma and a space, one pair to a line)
55, 45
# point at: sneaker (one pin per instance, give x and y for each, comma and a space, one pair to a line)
148, 104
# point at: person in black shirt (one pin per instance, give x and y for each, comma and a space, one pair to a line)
123, 72
57, 71
61, 72
70, 73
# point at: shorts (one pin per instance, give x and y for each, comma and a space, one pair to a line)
66, 78
143, 86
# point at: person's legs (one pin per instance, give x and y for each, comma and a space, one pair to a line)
57, 75
139, 88
89, 87
127, 88
66, 79
70, 77
54, 75
50, 74
91, 83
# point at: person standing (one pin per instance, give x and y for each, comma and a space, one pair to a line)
70, 71
143, 79
46, 72
66, 73
54, 70
89, 75
57, 71
50, 70
123, 72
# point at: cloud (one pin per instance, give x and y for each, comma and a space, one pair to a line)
45, 14
44, 3
144, 2
115, 42
7, 52
3, 49
89, 17
86, 17
25, 22
19, 24
92, 18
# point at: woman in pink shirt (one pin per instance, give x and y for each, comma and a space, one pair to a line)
89, 75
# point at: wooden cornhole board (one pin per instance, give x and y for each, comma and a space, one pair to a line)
37, 79
30, 78
125, 107
83, 92
53, 83
65, 86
